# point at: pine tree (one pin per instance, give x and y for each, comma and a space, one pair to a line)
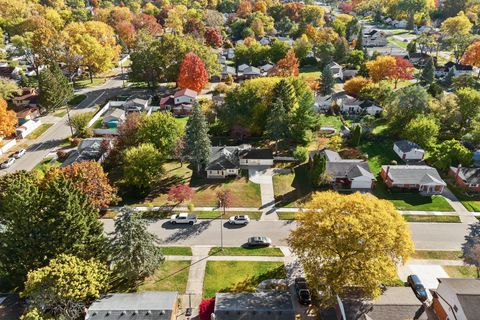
341, 50
317, 171
327, 81
303, 120
412, 47
359, 42
449, 77
54, 88
197, 141
428, 71
276, 127
285, 91
356, 135
135, 254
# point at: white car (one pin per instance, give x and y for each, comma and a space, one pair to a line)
8, 163
19, 153
183, 218
239, 220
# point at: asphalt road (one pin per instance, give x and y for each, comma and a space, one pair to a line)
426, 236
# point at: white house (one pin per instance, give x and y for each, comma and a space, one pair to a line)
28, 127
336, 69
266, 67
323, 103
457, 299
349, 104
185, 96
408, 150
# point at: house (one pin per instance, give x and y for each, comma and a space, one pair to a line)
374, 38
323, 103
370, 108
351, 174
419, 59
349, 74
90, 149
228, 71
185, 96
10, 72
402, 24
26, 128
418, 177
181, 103
476, 158
466, 178
27, 114
266, 67
135, 306
458, 68
242, 67
251, 72
408, 150
113, 117
336, 69
136, 105
264, 41
349, 104
457, 299
228, 160
28, 98
270, 305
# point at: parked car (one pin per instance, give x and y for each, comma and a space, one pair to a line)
257, 242
239, 220
183, 218
19, 153
301, 289
8, 163
416, 284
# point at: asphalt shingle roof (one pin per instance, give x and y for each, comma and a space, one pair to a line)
469, 175
406, 146
405, 174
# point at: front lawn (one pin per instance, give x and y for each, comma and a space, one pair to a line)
431, 218
86, 83
239, 276
330, 121
239, 251
39, 131
77, 99
176, 251
292, 189
46, 164
172, 275
471, 203
436, 255
253, 215
461, 271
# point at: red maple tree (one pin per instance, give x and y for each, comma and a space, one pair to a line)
213, 37
180, 193
193, 73
206, 308
287, 66
403, 70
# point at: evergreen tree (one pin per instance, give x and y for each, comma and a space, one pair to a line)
54, 89
303, 120
327, 81
359, 43
285, 91
356, 135
276, 127
317, 171
428, 71
448, 80
412, 48
341, 50
135, 254
197, 141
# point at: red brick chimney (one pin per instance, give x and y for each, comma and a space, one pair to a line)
458, 172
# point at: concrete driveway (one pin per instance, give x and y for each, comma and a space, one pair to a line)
428, 274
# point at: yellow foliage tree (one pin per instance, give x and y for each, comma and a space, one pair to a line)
8, 119
355, 85
381, 68
350, 242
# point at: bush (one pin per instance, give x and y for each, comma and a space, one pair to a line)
300, 154
229, 80
62, 155
75, 141
205, 309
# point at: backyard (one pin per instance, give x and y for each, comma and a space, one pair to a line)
292, 189
172, 275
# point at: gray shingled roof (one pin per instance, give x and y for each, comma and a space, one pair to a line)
469, 175
406, 145
405, 174
468, 294
222, 158
351, 168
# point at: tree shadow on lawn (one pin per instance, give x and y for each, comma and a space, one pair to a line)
411, 198
250, 283
161, 187
302, 188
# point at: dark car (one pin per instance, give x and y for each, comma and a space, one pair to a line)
417, 287
256, 242
301, 289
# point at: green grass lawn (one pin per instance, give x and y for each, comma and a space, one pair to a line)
97, 124
310, 71
380, 152
182, 122
239, 251
431, 218
176, 251
39, 131
461, 271
45, 165
108, 214
239, 276
77, 99
471, 203
397, 43
60, 113
86, 83
436, 255
287, 215
170, 276
292, 189
253, 215
330, 121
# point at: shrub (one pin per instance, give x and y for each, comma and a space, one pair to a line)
205, 309
300, 154
62, 155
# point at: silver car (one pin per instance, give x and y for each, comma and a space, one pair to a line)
19, 153
8, 163
239, 220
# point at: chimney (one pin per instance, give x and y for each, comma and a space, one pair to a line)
458, 171
388, 169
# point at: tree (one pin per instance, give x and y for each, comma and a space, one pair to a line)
79, 122
193, 74
287, 66
450, 153
180, 193
356, 135
142, 165
302, 47
457, 34
381, 68
355, 85
276, 127
197, 141
341, 50
411, 7
162, 130
359, 42
135, 253
66, 285
338, 233
8, 120
213, 37
472, 55
278, 50
300, 154
327, 81
285, 91
412, 48
206, 308
428, 71
89, 178
423, 131
54, 88
303, 119
471, 247
469, 105
42, 219
355, 59
8, 88
403, 70
317, 170
406, 104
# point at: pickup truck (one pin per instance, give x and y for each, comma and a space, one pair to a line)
184, 218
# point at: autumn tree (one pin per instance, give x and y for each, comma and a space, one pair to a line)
180, 193
353, 86
8, 119
403, 70
287, 66
88, 177
338, 233
457, 34
472, 55
8, 88
142, 165
66, 286
213, 37
193, 74
381, 68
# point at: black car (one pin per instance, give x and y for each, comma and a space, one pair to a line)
257, 242
301, 289
417, 287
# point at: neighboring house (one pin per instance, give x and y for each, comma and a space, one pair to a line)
272, 305
266, 67
408, 150
251, 72
370, 108
459, 69
264, 41
90, 149
402, 24
28, 127
419, 59
10, 72
336, 69
228, 70
227, 160
242, 67
185, 96
351, 174
27, 114
422, 178
349, 74
181, 103
135, 306
113, 117
374, 38
28, 98
476, 158
136, 105
323, 103
457, 299
349, 104
467, 178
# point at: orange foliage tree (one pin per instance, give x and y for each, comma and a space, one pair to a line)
403, 70
472, 55
88, 177
193, 74
8, 119
354, 85
287, 66
244, 9
390, 68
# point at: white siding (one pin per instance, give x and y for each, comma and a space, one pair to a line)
183, 99
256, 162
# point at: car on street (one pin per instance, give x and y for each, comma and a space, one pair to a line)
19, 153
301, 289
183, 218
8, 163
258, 242
418, 289
239, 220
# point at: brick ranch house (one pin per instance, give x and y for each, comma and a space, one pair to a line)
466, 178
422, 178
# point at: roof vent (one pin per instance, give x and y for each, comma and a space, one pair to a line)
162, 312
135, 312
108, 313
123, 313
148, 313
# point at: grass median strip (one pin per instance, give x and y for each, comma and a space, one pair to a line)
170, 276
239, 251
176, 251
432, 218
436, 255
39, 131
287, 215
254, 215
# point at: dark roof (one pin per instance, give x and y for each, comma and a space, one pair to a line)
91, 150
469, 175
458, 66
468, 294
254, 306
366, 104
350, 168
223, 158
6, 72
406, 145
257, 154
470, 305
